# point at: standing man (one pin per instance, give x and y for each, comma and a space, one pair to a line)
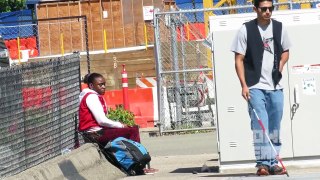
261, 50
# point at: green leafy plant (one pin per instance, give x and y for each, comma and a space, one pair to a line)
121, 115
11, 5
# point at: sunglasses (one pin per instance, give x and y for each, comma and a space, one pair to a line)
264, 9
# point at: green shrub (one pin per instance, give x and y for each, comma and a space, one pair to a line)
121, 115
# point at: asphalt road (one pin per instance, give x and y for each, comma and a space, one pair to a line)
186, 144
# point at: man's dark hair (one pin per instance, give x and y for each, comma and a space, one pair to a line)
257, 2
85, 78
89, 78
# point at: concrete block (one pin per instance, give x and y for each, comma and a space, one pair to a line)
82, 163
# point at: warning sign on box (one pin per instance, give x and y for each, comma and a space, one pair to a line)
304, 69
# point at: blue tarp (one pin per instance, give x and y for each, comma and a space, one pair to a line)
32, 1
16, 28
189, 16
183, 1
196, 4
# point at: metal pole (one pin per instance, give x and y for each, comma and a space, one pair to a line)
157, 55
290, 4
175, 65
61, 44
182, 33
105, 46
145, 35
87, 42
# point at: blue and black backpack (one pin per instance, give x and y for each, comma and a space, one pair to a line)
129, 156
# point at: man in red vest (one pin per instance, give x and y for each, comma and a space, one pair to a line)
92, 114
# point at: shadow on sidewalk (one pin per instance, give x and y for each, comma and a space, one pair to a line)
196, 170
233, 175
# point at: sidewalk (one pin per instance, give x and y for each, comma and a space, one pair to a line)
190, 166
188, 156
195, 156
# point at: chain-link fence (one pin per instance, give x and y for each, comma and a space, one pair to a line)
186, 90
46, 37
184, 64
38, 107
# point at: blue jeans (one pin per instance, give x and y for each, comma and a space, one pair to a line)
269, 106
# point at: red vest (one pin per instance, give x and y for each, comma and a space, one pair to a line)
86, 118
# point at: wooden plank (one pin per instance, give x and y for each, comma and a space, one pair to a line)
77, 44
74, 9
52, 10
95, 17
63, 10
64, 27
44, 46
129, 35
157, 4
54, 39
95, 7
138, 22
96, 25
129, 30
118, 28
67, 37
108, 23
147, 2
98, 45
85, 10
150, 33
140, 39
43, 31
41, 11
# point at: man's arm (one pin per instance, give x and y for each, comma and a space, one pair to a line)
283, 60
239, 58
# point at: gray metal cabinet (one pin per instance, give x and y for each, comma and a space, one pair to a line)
304, 73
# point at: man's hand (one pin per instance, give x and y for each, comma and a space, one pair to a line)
245, 93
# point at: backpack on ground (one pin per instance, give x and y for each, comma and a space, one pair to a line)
128, 155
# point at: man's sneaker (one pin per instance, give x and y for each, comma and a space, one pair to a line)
263, 170
276, 170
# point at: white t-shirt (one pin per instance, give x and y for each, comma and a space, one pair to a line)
240, 46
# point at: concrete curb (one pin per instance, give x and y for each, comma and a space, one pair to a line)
82, 163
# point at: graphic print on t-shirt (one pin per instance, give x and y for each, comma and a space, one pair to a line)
266, 44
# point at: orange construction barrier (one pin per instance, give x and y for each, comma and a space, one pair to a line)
141, 104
